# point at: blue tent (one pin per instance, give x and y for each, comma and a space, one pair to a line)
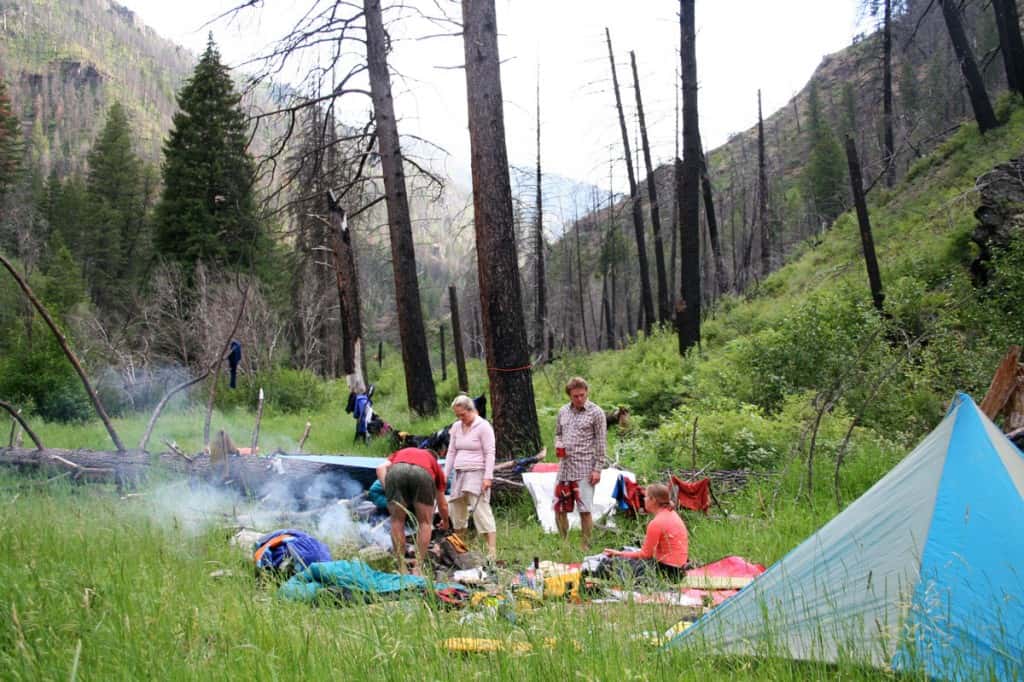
925, 571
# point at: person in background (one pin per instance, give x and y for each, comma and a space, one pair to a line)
469, 463
667, 541
581, 445
413, 481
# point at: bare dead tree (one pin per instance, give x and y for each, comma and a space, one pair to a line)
579, 285
16, 416
460, 355
444, 363
762, 196
688, 186
1010, 43
72, 358
349, 312
419, 383
507, 350
540, 312
864, 222
983, 112
664, 312
714, 242
646, 299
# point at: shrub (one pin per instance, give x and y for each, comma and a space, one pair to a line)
285, 390
41, 380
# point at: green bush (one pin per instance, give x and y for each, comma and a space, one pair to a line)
285, 390
40, 380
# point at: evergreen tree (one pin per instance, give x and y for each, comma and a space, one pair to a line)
824, 177
10, 141
208, 211
115, 217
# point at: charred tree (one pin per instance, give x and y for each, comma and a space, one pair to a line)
707, 190
419, 382
646, 300
579, 286
1010, 43
863, 221
508, 356
444, 364
764, 225
540, 312
460, 354
887, 135
688, 186
980, 103
352, 356
664, 312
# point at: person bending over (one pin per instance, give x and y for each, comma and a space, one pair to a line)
413, 482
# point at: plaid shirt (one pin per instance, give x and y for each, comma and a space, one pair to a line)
584, 435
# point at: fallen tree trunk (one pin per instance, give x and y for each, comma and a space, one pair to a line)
249, 474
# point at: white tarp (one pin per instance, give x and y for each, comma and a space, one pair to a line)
542, 490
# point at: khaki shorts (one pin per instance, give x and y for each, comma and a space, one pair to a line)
406, 484
483, 517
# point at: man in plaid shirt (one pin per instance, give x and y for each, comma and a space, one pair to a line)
581, 431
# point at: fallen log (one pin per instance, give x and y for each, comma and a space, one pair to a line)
248, 474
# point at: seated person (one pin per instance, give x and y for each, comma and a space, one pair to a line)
667, 542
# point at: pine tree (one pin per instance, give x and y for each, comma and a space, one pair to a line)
115, 218
207, 211
824, 178
10, 140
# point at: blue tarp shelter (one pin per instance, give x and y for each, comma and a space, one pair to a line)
925, 571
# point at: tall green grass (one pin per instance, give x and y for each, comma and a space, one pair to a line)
94, 586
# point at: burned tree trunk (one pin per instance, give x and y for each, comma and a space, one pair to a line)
646, 300
664, 312
541, 311
887, 135
579, 286
444, 364
508, 356
688, 186
353, 362
460, 354
1010, 43
419, 382
866, 240
762, 196
713, 239
983, 112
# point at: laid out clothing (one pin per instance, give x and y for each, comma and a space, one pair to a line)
570, 495
694, 495
583, 433
629, 496
470, 458
667, 540
460, 509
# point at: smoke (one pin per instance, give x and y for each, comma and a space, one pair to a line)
323, 506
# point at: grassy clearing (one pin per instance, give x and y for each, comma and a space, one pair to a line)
97, 586
94, 586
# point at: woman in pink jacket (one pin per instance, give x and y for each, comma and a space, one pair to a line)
469, 464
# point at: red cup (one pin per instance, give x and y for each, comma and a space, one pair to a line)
560, 453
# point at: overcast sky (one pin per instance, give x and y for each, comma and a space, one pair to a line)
742, 45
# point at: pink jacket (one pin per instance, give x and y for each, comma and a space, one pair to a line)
470, 448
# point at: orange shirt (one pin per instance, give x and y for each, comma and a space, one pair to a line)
666, 541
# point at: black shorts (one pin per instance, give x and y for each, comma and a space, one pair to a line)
406, 484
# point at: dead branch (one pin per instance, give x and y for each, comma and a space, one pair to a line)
256, 426
16, 415
96, 402
178, 451
305, 435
